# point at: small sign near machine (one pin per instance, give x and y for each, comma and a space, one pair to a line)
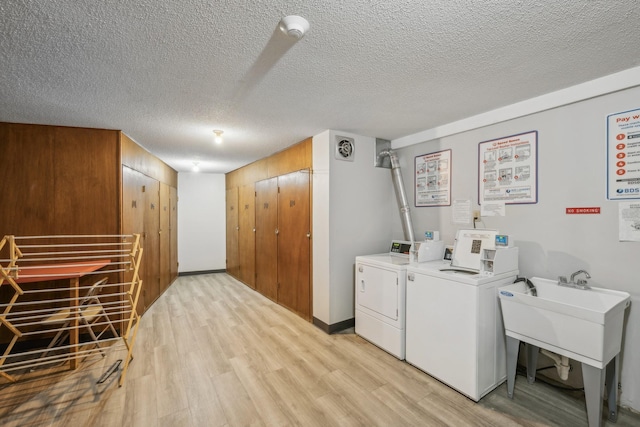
629, 221
431, 235
502, 241
461, 212
448, 253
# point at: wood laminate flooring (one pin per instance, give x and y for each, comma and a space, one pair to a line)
212, 352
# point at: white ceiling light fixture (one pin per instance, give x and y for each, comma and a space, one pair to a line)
294, 26
218, 137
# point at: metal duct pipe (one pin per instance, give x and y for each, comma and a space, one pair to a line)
401, 195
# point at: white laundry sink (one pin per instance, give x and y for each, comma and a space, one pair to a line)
585, 325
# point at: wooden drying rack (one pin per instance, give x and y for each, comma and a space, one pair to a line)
52, 260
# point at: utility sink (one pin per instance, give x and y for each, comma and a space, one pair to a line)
582, 324
585, 325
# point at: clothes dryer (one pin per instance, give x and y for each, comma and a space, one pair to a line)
380, 296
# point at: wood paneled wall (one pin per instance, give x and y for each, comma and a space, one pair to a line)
137, 158
255, 254
294, 158
66, 180
59, 180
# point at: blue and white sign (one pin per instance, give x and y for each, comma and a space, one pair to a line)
623, 155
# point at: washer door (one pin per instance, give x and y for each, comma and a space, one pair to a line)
377, 289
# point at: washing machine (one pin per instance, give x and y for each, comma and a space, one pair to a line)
454, 326
380, 298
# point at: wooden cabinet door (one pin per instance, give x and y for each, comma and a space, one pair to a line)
133, 220
294, 277
173, 233
246, 235
151, 254
233, 262
266, 207
165, 238
140, 214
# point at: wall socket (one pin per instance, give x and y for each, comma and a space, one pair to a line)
476, 215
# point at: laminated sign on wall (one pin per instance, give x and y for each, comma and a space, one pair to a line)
623, 155
433, 179
508, 169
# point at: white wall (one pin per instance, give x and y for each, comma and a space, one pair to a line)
320, 232
353, 204
201, 222
571, 173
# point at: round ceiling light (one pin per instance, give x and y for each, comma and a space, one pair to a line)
218, 136
294, 26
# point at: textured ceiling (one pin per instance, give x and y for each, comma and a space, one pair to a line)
169, 72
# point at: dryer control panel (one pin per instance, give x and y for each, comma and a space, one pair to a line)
400, 247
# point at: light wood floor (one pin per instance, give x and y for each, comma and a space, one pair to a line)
212, 352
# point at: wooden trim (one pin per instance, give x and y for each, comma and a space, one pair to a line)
336, 327
194, 273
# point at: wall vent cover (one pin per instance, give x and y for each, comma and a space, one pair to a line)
345, 148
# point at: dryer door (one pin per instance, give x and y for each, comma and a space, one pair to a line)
377, 289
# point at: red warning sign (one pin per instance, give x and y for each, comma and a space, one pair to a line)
578, 211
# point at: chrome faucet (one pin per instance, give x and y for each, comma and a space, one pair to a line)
580, 284
573, 276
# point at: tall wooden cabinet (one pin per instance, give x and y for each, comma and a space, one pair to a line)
64, 180
144, 203
294, 243
269, 227
246, 235
266, 254
233, 263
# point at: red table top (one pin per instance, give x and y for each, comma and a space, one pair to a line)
41, 273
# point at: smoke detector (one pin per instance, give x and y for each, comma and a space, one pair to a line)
294, 26
345, 148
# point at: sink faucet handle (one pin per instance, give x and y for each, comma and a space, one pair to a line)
562, 279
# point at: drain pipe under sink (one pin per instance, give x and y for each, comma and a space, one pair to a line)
401, 195
561, 363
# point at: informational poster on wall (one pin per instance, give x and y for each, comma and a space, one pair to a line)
508, 169
433, 179
623, 155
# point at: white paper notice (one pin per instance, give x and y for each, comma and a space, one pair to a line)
461, 212
492, 209
629, 221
